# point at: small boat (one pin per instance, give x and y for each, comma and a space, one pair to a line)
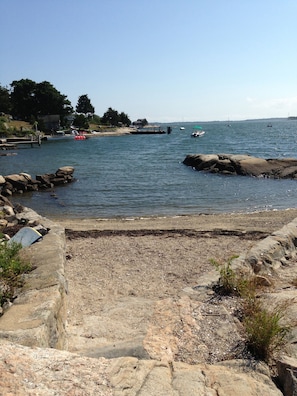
59, 135
80, 137
198, 131
182, 128
198, 134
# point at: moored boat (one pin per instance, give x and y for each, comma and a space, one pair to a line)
198, 134
198, 131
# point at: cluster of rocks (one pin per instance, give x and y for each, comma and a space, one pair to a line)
23, 182
14, 217
244, 165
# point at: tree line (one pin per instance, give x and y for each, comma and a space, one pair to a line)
28, 101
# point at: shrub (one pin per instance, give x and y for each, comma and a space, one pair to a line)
11, 269
232, 283
264, 332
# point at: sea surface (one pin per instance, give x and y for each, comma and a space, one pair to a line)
144, 175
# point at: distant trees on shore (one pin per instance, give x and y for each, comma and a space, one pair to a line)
114, 118
84, 105
29, 101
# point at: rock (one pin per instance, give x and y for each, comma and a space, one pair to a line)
3, 223
8, 210
244, 165
5, 201
17, 178
65, 170
22, 182
44, 181
37, 371
287, 369
272, 252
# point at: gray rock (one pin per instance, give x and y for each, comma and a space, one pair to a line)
244, 165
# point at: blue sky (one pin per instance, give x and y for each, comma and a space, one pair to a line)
163, 60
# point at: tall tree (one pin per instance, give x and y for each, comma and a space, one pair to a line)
30, 100
84, 105
22, 98
112, 117
124, 119
5, 105
50, 101
80, 121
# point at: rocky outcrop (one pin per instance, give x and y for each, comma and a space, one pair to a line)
23, 182
244, 165
38, 312
43, 372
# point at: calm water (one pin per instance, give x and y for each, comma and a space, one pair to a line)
125, 176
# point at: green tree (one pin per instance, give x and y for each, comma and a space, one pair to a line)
96, 119
30, 100
112, 117
124, 119
22, 99
5, 105
84, 105
80, 121
50, 101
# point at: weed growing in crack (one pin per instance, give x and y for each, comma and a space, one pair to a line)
12, 266
265, 334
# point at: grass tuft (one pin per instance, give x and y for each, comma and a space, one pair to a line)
265, 334
12, 266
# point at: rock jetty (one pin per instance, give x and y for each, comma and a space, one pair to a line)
244, 165
23, 182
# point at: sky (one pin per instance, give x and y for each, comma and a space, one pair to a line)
163, 60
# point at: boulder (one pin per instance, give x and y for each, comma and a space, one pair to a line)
22, 182
244, 165
44, 371
287, 369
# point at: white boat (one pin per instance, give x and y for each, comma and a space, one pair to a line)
59, 135
198, 134
182, 128
198, 131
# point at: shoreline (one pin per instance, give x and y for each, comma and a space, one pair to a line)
265, 221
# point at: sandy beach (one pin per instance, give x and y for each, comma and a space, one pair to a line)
267, 221
117, 269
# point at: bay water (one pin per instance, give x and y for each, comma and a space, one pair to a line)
144, 175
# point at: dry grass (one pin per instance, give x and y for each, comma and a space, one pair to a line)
18, 125
265, 334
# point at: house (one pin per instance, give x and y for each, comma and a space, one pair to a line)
49, 122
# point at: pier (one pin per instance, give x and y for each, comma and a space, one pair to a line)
14, 143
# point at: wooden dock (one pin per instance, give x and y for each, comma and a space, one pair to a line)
14, 143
